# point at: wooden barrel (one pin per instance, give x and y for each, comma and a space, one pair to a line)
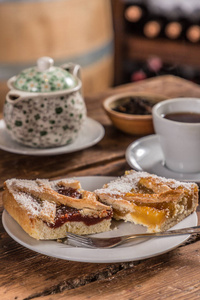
79, 31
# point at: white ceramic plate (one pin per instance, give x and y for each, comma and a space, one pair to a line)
145, 154
91, 133
128, 252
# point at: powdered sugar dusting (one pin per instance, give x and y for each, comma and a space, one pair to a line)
118, 187
129, 181
15, 184
30, 204
34, 206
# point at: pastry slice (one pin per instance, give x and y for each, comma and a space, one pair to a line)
48, 209
155, 202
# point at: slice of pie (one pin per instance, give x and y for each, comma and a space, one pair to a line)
48, 209
155, 202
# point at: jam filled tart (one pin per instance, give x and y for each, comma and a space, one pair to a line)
155, 202
48, 209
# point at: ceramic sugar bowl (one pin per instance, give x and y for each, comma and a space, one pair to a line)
44, 107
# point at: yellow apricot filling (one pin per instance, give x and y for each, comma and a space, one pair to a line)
148, 216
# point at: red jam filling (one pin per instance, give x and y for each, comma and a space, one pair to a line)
70, 192
66, 214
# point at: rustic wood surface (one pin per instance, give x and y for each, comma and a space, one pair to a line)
25, 274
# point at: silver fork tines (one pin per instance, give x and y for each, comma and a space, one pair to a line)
92, 242
95, 242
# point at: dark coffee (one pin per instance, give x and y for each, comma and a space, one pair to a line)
185, 117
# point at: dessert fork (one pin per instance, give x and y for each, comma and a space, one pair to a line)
95, 242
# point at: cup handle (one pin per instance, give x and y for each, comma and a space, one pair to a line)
72, 68
75, 70
10, 82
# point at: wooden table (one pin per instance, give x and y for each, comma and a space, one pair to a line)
25, 274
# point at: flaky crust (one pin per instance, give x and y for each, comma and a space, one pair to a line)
37, 229
149, 200
42, 189
32, 203
19, 213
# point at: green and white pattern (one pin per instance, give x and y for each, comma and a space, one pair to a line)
44, 122
51, 80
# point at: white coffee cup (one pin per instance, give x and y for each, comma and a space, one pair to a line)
180, 142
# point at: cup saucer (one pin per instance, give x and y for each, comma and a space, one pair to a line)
91, 133
145, 154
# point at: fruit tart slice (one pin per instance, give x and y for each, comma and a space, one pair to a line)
48, 209
155, 202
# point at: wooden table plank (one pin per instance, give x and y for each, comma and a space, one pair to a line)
32, 167
174, 275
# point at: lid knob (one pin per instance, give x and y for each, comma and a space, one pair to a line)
44, 63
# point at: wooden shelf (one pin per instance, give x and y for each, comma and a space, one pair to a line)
179, 52
129, 47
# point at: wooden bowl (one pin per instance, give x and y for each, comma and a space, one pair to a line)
130, 123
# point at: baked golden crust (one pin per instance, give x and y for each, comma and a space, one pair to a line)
149, 200
38, 204
46, 191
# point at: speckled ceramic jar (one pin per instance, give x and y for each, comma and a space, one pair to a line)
44, 107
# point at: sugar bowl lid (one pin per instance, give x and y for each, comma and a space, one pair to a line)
45, 78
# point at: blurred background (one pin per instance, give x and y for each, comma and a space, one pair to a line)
114, 41
156, 37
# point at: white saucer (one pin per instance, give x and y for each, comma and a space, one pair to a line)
91, 133
145, 154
